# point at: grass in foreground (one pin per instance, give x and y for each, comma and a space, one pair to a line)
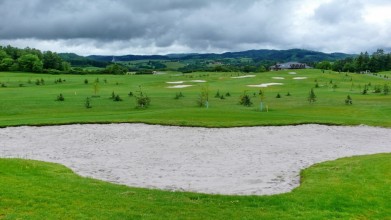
23, 102
349, 188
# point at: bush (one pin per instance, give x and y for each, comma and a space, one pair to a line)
86, 81
227, 94
60, 98
312, 96
245, 100
348, 100
117, 98
130, 94
142, 100
217, 94
179, 95
88, 103
278, 96
288, 94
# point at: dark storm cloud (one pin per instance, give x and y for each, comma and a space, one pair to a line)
159, 26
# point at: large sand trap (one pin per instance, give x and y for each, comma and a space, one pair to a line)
248, 160
241, 77
264, 85
179, 86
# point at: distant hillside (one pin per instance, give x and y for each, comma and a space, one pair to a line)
297, 55
81, 61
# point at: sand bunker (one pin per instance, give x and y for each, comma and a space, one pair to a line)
198, 81
241, 77
176, 82
276, 77
247, 160
292, 73
179, 86
299, 78
264, 85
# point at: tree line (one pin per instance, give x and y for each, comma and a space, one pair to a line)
36, 61
377, 62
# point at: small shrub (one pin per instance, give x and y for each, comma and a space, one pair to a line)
37, 82
245, 100
117, 98
113, 95
130, 94
348, 100
386, 89
3, 85
142, 100
317, 85
377, 89
87, 104
278, 96
312, 96
222, 97
288, 94
86, 81
228, 94
217, 94
60, 98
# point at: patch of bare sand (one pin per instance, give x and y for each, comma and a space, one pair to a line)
244, 161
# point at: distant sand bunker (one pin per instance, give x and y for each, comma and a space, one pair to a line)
299, 78
292, 73
264, 85
276, 77
241, 77
179, 86
198, 81
176, 82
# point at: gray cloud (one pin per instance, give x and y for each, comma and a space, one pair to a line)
165, 26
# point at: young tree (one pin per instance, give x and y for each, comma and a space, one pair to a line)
312, 96
142, 100
348, 100
245, 100
386, 89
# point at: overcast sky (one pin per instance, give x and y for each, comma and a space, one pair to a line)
118, 27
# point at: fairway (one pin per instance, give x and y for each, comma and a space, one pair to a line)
349, 188
25, 103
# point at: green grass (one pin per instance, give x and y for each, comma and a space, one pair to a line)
31, 104
348, 188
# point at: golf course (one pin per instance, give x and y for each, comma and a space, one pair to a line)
348, 188
30, 99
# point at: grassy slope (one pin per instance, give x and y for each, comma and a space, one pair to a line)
349, 188
35, 105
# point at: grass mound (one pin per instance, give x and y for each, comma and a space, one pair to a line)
349, 188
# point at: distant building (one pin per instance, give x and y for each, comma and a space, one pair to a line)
289, 66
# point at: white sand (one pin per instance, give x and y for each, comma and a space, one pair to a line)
241, 77
176, 82
179, 86
292, 73
276, 77
264, 85
248, 160
198, 81
299, 78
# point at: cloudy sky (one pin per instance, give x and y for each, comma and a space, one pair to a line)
118, 27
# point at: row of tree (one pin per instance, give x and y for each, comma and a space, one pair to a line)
377, 62
33, 60
30, 60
